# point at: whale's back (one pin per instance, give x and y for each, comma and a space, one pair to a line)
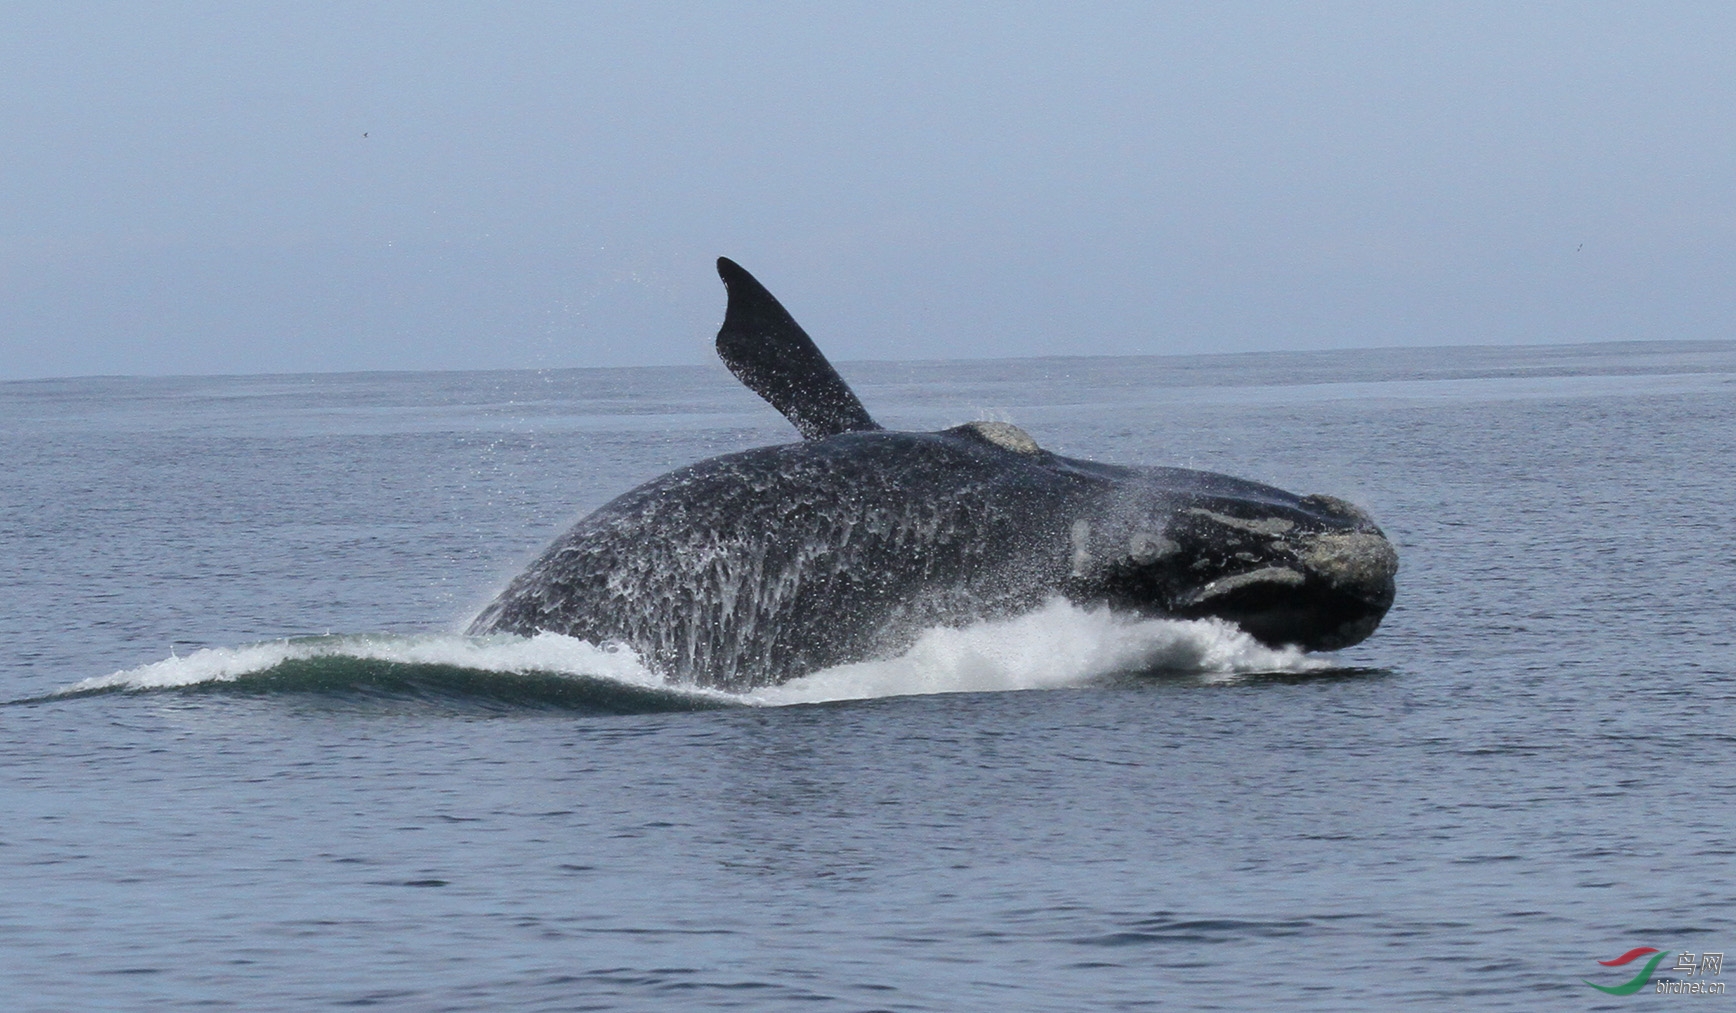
768, 564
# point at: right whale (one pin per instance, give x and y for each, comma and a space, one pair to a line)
762, 566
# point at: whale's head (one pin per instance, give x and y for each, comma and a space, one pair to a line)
1310, 571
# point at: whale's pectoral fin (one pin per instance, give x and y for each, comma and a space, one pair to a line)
769, 352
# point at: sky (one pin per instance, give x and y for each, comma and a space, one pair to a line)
257, 188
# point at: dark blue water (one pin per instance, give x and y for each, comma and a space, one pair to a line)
1530, 767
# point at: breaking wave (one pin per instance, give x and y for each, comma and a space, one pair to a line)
1056, 646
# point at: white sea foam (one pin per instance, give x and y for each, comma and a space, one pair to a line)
545, 652
1057, 645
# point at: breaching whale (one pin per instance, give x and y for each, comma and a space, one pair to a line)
765, 565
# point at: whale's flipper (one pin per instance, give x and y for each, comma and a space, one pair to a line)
769, 352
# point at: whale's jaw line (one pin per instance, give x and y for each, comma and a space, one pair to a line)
1311, 616
1337, 598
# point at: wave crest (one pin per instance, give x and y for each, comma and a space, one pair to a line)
1055, 646
1058, 645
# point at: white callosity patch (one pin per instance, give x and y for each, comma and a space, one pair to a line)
1145, 547
1356, 559
1280, 576
1006, 436
1268, 526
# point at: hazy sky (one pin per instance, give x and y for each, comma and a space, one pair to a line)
221, 188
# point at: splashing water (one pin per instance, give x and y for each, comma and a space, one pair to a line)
1055, 646
545, 652
1058, 645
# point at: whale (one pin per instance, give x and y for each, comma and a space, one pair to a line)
762, 566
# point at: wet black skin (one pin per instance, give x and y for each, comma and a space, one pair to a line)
769, 564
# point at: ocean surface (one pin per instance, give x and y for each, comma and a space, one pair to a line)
249, 763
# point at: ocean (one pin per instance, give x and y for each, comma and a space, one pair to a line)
248, 761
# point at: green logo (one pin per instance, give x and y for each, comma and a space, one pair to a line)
1639, 980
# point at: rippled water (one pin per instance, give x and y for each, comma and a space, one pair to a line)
1527, 770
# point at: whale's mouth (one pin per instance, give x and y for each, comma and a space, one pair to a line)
1334, 596
1290, 610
